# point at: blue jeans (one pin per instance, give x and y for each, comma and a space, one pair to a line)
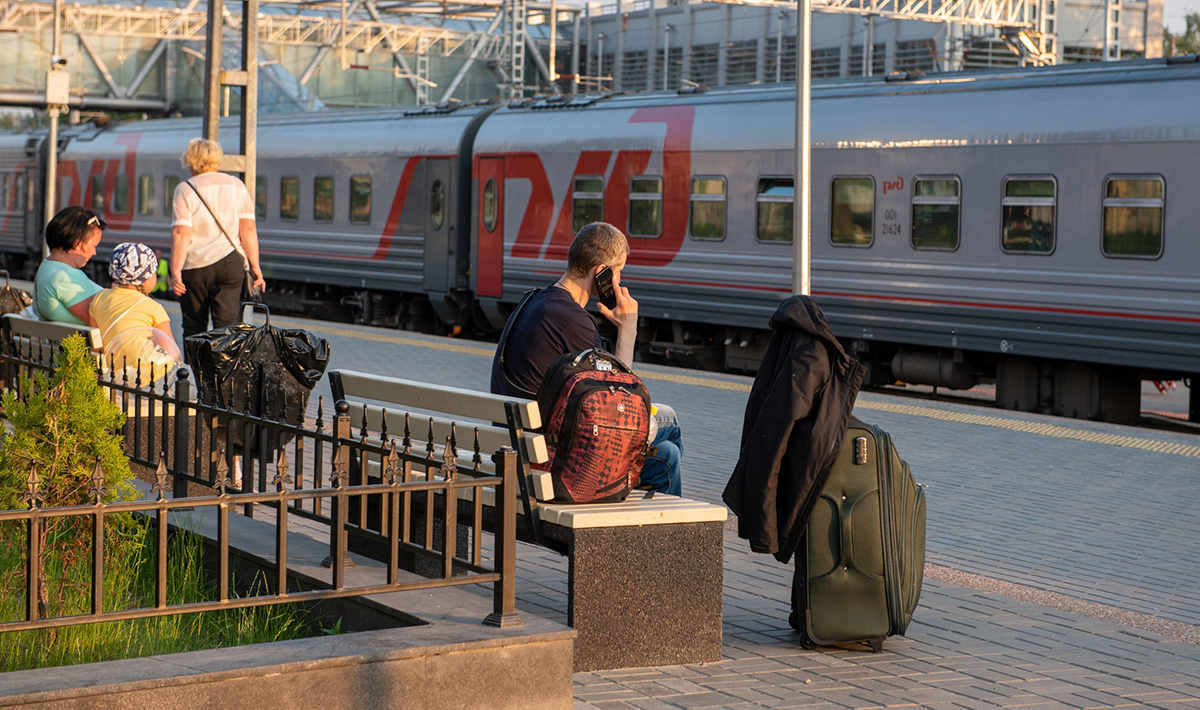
661, 471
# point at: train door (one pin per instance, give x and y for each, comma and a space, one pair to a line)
31, 209
438, 263
489, 252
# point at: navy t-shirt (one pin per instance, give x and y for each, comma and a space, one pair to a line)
550, 324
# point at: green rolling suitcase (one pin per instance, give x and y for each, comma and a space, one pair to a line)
860, 565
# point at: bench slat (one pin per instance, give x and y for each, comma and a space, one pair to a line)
491, 437
419, 395
52, 330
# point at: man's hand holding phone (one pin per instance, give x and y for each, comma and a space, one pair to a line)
615, 303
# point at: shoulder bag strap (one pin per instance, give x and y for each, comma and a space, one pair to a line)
504, 339
236, 247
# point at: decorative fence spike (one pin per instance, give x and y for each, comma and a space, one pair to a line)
281, 471
407, 436
449, 459
32, 495
161, 477
389, 469
362, 430
320, 413
477, 456
222, 481
98, 490
430, 448
383, 437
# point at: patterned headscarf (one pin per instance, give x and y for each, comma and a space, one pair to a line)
132, 264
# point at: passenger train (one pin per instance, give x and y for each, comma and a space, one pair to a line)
1038, 227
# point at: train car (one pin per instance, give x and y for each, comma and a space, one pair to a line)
20, 209
357, 210
1032, 227
1019, 227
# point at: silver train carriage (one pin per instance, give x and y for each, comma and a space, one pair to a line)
1033, 227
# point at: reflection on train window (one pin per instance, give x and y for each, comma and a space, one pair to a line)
121, 194
260, 198
24, 194
708, 208
1133, 216
1028, 215
4, 194
935, 209
169, 184
587, 202
145, 194
289, 198
98, 193
775, 197
360, 199
437, 205
851, 223
323, 199
645, 207
491, 205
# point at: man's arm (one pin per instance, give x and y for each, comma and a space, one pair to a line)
248, 234
181, 239
625, 317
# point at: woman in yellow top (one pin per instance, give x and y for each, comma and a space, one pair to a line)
134, 328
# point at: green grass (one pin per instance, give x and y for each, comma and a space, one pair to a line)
129, 583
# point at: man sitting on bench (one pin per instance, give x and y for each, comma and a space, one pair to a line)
553, 322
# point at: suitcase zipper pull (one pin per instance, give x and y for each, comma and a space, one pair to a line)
595, 430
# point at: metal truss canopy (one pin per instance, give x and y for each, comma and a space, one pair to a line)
997, 13
276, 29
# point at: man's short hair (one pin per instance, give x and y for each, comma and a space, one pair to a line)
597, 243
202, 156
71, 226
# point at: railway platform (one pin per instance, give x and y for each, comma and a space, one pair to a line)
1063, 557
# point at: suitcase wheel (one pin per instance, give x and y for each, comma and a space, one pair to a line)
794, 620
806, 642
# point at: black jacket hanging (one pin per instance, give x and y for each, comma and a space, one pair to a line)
796, 417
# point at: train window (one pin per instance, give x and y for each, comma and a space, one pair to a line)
935, 210
645, 207
168, 194
145, 194
24, 194
437, 205
4, 190
587, 202
260, 198
289, 198
98, 193
708, 208
491, 205
1029, 205
775, 198
121, 194
323, 199
852, 221
360, 199
1133, 216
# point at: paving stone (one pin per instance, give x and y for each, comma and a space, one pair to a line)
987, 515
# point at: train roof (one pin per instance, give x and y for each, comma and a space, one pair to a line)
1129, 100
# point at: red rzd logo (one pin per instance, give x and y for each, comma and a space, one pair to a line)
889, 185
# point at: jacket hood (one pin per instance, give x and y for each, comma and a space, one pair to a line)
803, 313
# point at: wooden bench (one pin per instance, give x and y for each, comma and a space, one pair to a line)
644, 576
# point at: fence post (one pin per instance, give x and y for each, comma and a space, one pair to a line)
183, 395
340, 476
504, 593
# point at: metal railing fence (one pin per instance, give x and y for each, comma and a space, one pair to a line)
378, 485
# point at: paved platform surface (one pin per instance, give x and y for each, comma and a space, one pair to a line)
1064, 557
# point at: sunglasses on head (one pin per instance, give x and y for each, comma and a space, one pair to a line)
95, 220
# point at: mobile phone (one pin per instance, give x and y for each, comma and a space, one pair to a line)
604, 287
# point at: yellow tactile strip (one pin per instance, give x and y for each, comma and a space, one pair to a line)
1033, 427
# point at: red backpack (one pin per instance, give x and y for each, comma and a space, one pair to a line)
596, 416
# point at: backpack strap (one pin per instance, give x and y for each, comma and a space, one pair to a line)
504, 339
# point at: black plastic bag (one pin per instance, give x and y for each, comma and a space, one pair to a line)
263, 371
13, 300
